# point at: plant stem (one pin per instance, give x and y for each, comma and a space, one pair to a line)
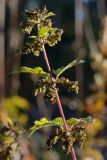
73, 153
46, 59
58, 102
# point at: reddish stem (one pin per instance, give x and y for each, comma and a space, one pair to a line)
58, 102
73, 153
61, 111
46, 59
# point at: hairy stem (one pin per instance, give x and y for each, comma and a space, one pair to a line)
58, 102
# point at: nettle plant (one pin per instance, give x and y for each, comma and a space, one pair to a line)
38, 25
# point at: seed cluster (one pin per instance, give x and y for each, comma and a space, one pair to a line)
67, 139
48, 87
69, 85
80, 135
39, 27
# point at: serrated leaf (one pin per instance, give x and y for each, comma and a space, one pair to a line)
26, 70
58, 122
87, 120
42, 123
59, 71
37, 70
48, 15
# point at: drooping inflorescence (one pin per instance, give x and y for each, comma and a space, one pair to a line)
67, 139
48, 87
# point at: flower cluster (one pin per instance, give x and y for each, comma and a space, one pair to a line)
48, 87
69, 85
67, 139
39, 27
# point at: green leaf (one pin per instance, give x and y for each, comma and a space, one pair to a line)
43, 31
48, 15
87, 120
58, 122
37, 70
42, 123
59, 71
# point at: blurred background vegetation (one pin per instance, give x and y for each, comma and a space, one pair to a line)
85, 37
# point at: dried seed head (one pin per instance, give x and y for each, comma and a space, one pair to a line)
48, 87
76, 134
69, 85
39, 21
